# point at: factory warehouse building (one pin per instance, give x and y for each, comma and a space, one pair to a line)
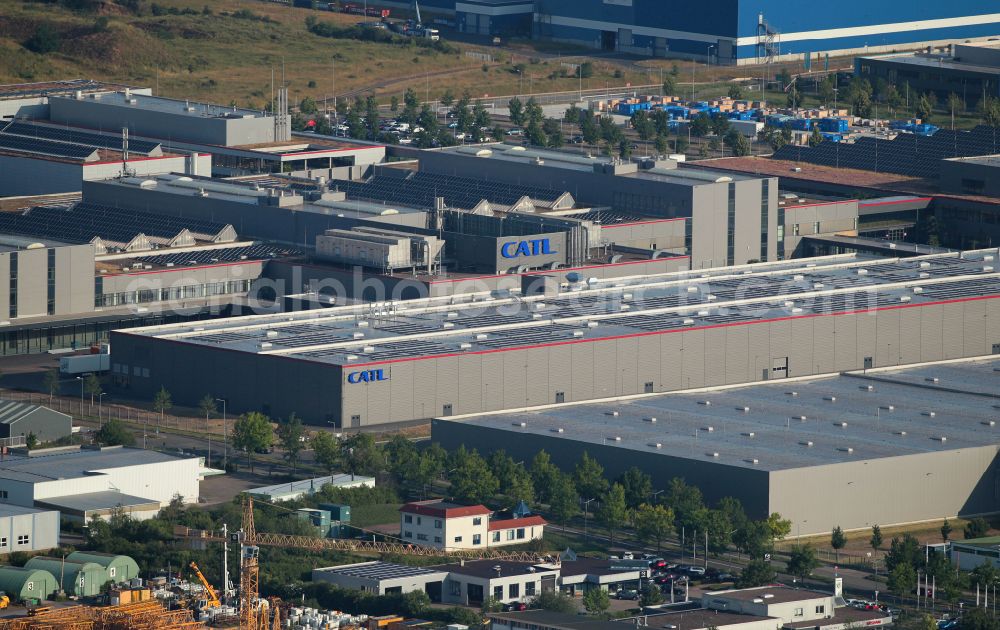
886, 446
589, 340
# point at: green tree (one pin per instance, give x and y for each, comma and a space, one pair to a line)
651, 595
825, 91
688, 506
308, 105
447, 98
411, 107
394, 104
815, 138
114, 433
955, 105
162, 402
778, 527
985, 575
978, 619
326, 450
701, 125
893, 99
552, 128
925, 107
516, 109
482, 119
543, 475
945, 530
660, 144
472, 481
735, 92
905, 550
513, 478
44, 40
572, 115
902, 579
802, 561
757, 572
613, 510
669, 85
92, 387
535, 135
589, 130
976, 528
737, 143
754, 539
291, 434
589, 477
554, 601
638, 487
50, 383
564, 501
720, 125
361, 454
585, 70
838, 540
876, 539
990, 109
207, 406
31, 441
653, 523
794, 99
252, 433
596, 601
491, 605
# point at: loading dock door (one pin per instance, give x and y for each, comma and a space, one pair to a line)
433, 590
779, 367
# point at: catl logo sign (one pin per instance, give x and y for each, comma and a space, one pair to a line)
367, 376
534, 247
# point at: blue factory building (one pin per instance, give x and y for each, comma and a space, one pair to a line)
745, 31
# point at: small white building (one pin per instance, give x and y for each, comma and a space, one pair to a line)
469, 583
788, 604
27, 529
98, 480
446, 525
306, 487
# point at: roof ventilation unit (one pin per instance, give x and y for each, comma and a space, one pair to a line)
798, 276
711, 298
887, 407
464, 345
712, 454
626, 296
448, 325
918, 290
688, 322
758, 600
768, 596
867, 388
929, 414
842, 425
940, 438
577, 333
368, 349
624, 307
271, 334
901, 433
743, 409
451, 315
693, 289
536, 316
558, 430
615, 438
358, 335
796, 309
481, 336
592, 324
988, 268
925, 265
818, 285
905, 298
862, 272
988, 258
791, 393
753, 461
362, 324
807, 443
989, 423
932, 379
845, 449
830, 398
708, 429
707, 403
801, 418
923, 274
651, 419
352, 357
655, 445
519, 424
264, 345
703, 313
614, 414
749, 434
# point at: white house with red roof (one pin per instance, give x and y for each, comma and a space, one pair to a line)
442, 524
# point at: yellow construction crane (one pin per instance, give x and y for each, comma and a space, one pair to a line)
212, 599
254, 612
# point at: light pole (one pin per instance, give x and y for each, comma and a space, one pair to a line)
586, 504
652, 496
100, 408
225, 439
80, 378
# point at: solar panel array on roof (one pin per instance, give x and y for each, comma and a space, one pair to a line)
47, 147
76, 136
607, 217
222, 255
85, 221
420, 190
906, 154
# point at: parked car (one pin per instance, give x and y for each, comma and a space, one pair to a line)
630, 594
515, 607
515, 132
628, 555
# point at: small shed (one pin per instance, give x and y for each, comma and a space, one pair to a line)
23, 583
19, 419
83, 579
119, 568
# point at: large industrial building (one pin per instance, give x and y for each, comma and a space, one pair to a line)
577, 339
882, 446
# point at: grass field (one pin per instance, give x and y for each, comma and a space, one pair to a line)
224, 51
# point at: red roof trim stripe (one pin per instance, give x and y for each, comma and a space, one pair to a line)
510, 523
